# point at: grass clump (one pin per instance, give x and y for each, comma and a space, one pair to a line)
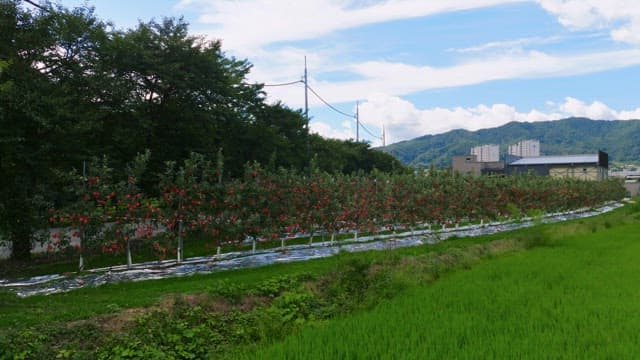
536, 238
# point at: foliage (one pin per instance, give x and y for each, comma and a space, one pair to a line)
73, 88
337, 156
264, 206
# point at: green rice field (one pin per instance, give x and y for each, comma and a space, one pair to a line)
578, 298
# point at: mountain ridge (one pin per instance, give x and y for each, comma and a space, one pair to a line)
619, 138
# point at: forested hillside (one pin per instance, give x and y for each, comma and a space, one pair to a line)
568, 136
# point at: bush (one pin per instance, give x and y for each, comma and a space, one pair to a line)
535, 238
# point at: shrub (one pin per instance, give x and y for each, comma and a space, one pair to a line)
535, 238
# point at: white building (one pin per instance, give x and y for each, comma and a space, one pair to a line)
525, 148
486, 153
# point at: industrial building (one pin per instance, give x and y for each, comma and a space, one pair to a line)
585, 167
469, 164
525, 148
486, 153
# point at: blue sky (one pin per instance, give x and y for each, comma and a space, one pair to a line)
421, 67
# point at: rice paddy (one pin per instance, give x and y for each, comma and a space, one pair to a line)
579, 298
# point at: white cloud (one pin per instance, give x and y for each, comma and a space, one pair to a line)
519, 45
629, 33
629, 114
402, 79
259, 29
621, 16
515, 45
596, 110
403, 120
250, 24
346, 131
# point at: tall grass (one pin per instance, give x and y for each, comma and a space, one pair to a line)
578, 299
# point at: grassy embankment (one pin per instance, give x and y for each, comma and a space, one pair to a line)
573, 292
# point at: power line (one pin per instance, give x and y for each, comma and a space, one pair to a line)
283, 84
370, 133
342, 113
323, 101
36, 5
329, 105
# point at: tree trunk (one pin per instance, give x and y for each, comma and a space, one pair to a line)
81, 259
21, 240
129, 260
179, 250
21, 235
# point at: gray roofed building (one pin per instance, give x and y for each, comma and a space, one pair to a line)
557, 159
586, 167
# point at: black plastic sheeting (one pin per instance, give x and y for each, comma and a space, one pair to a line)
52, 284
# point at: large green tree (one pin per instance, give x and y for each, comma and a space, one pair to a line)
72, 88
348, 156
176, 94
46, 89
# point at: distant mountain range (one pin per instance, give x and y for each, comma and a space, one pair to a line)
620, 139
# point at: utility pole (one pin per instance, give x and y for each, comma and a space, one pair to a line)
306, 93
357, 121
306, 113
84, 191
384, 137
